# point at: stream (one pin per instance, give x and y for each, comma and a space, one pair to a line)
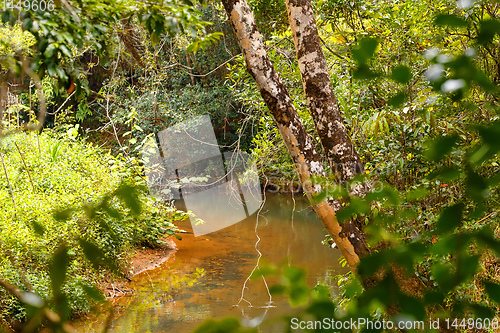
205, 277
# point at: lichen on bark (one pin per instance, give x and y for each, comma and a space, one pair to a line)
297, 140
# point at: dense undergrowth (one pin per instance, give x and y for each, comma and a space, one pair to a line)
394, 100
45, 174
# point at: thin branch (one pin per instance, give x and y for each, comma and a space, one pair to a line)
3, 102
331, 51
71, 10
59, 109
207, 74
115, 132
43, 103
8, 182
25, 166
487, 216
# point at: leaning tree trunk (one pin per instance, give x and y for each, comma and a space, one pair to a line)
338, 147
341, 154
298, 142
133, 41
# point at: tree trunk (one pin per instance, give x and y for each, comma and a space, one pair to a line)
339, 150
298, 142
133, 42
341, 154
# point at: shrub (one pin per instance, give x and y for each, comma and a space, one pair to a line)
45, 175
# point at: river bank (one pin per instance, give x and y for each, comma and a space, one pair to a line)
142, 259
207, 276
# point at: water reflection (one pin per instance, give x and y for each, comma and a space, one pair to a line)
205, 277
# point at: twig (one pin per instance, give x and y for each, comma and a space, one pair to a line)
25, 166
207, 74
331, 51
115, 132
59, 109
43, 103
71, 10
3, 102
487, 216
8, 182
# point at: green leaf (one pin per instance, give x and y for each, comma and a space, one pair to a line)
401, 74
294, 274
295, 281
353, 288
192, 48
51, 69
344, 214
63, 215
485, 237
321, 309
97, 257
319, 197
388, 194
490, 145
265, 270
363, 71
277, 289
476, 186
58, 269
450, 218
446, 174
443, 273
397, 100
437, 149
412, 306
373, 262
417, 193
49, 51
225, 325
466, 267
487, 30
493, 291
6, 16
445, 245
482, 311
93, 293
38, 228
108, 209
64, 49
130, 197
90, 211
450, 20
434, 297
364, 50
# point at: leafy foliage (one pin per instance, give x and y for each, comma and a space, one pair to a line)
59, 252
417, 83
71, 27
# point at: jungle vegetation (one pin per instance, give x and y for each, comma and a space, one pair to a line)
384, 113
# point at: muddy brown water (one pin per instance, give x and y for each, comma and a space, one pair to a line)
206, 277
